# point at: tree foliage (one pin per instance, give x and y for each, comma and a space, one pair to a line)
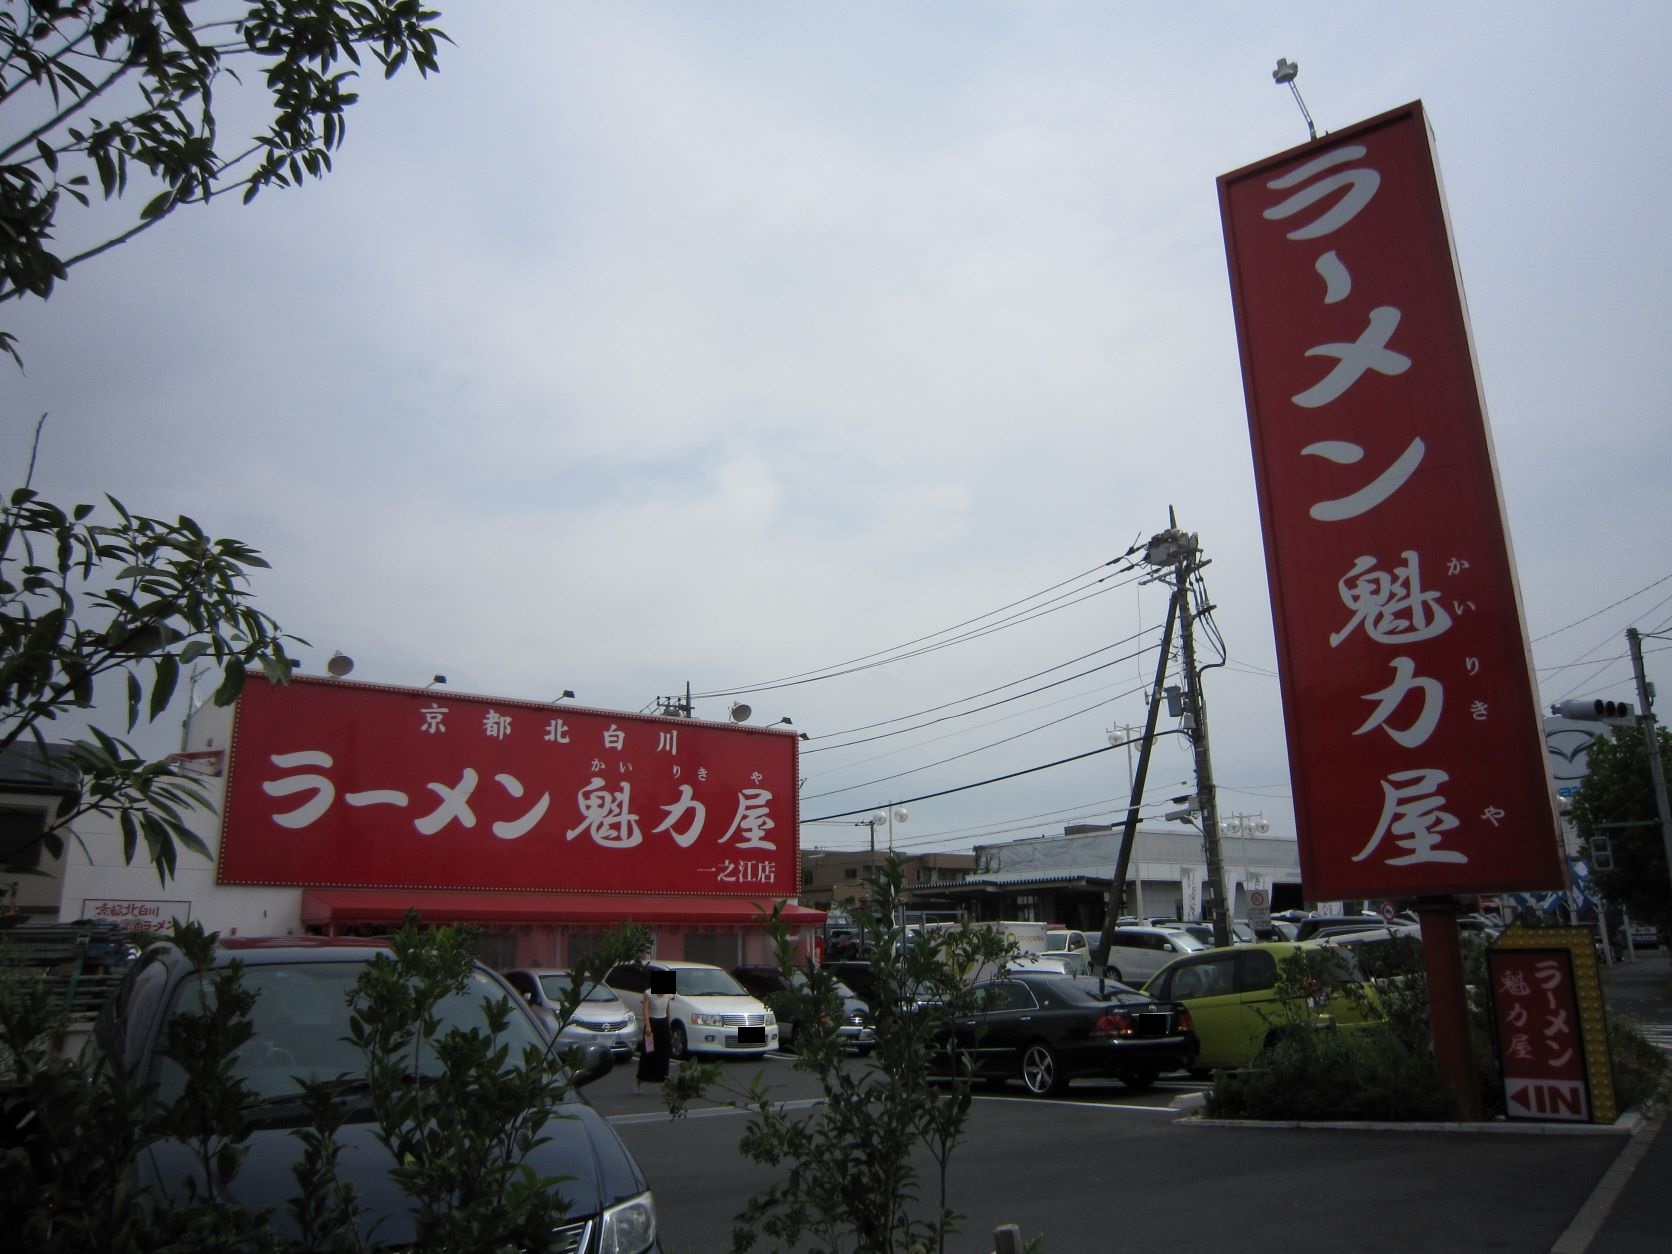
1619, 789
856, 1177
111, 95
128, 598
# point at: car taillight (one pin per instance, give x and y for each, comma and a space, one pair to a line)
1112, 1023
1185, 1022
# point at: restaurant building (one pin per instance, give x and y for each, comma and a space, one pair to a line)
339, 806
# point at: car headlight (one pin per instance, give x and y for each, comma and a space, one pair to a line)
771, 1018
709, 1021
628, 1227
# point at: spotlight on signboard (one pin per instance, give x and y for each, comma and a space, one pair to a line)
740, 713
339, 665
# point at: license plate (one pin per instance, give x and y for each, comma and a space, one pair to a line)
751, 1036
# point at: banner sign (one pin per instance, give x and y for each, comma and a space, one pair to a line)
1414, 738
136, 915
333, 783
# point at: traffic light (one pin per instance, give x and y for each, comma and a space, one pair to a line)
1602, 853
1595, 710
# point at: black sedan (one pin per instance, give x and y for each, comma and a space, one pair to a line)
1046, 1029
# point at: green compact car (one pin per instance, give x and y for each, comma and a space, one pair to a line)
1233, 999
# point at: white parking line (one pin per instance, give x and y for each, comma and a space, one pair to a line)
712, 1112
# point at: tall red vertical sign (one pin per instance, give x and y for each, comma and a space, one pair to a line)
1414, 741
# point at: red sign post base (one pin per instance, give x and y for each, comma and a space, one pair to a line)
1448, 1001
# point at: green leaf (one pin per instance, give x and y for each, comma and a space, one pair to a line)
232, 683
162, 684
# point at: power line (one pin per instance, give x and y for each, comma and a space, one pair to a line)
992, 705
997, 779
883, 657
967, 753
1598, 613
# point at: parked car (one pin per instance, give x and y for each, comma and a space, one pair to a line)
1045, 1030
301, 1031
709, 1012
1310, 926
1233, 999
1136, 953
1640, 936
1074, 961
773, 987
1241, 933
1059, 939
1385, 953
600, 1017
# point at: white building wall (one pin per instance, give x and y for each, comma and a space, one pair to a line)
1168, 865
99, 883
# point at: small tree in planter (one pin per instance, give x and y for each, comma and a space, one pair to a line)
852, 1180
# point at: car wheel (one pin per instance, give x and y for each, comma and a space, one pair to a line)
677, 1045
1114, 974
1138, 1081
1041, 1071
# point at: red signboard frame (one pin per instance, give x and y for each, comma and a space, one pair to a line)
1414, 741
339, 784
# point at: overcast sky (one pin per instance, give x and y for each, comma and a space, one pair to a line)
655, 343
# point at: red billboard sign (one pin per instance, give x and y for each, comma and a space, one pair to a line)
1540, 1035
335, 783
1414, 740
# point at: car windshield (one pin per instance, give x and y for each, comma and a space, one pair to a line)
557, 985
300, 1027
707, 982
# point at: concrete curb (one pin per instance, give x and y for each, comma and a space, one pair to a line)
1627, 1124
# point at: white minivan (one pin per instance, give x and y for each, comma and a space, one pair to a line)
1136, 953
708, 1013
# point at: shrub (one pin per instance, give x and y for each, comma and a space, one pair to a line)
1361, 1074
1642, 1074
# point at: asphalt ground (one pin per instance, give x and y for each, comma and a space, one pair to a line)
1630, 1211
1104, 1169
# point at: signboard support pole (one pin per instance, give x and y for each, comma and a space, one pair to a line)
1448, 1004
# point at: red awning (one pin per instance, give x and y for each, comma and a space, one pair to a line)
321, 906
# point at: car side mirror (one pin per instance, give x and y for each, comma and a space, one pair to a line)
587, 1063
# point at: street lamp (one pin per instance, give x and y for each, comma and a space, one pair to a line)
895, 814
1121, 734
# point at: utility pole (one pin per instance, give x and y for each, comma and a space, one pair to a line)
1182, 553
1657, 772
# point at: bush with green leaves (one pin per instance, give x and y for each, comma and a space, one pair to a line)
458, 1112
868, 1168
1642, 1073
1382, 1069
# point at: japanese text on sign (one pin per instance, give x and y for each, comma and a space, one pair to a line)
1398, 620
361, 785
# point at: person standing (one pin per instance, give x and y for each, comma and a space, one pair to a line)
653, 1051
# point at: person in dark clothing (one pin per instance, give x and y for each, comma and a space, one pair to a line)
653, 1052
